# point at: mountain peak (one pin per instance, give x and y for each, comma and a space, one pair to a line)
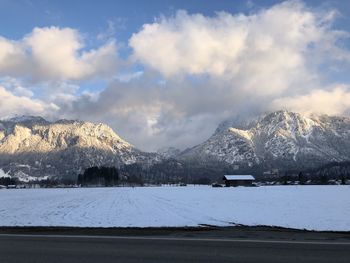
282, 139
32, 145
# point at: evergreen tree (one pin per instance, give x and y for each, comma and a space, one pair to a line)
301, 178
343, 180
324, 179
107, 176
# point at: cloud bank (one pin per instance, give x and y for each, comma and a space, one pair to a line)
335, 101
52, 53
269, 52
196, 71
11, 103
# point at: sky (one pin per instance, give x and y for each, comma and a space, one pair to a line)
166, 73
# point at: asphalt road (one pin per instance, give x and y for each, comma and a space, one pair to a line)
26, 247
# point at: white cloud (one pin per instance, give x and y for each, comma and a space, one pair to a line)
335, 101
150, 115
11, 104
12, 56
265, 53
215, 67
21, 91
16, 87
49, 61
193, 72
52, 53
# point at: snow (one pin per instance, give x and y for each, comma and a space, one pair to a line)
239, 177
245, 134
3, 174
302, 207
25, 178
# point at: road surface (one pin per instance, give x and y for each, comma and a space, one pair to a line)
210, 246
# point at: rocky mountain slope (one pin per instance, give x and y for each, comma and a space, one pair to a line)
33, 146
282, 139
168, 152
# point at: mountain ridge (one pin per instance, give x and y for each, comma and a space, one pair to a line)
282, 136
33, 146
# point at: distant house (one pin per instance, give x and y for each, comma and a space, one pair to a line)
238, 180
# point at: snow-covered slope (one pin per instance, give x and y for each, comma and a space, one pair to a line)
35, 146
32, 146
168, 152
280, 139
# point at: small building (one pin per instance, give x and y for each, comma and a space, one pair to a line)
238, 180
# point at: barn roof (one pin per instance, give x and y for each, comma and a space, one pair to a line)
238, 177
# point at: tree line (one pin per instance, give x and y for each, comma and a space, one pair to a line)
99, 176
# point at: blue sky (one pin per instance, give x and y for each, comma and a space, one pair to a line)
92, 18
164, 77
18, 17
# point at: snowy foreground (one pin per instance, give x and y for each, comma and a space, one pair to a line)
303, 207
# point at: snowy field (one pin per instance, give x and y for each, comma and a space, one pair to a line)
303, 207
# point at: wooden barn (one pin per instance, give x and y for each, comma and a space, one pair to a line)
238, 180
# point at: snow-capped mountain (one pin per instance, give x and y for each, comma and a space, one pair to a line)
280, 139
34, 146
168, 152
